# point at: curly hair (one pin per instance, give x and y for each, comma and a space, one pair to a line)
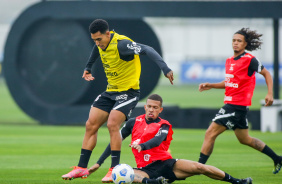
99, 25
252, 38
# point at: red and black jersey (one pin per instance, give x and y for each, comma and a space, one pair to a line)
160, 137
240, 80
143, 132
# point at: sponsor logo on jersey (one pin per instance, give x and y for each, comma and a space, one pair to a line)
111, 86
231, 67
228, 98
111, 74
228, 83
231, 84
106, 66
147, 157
135, 47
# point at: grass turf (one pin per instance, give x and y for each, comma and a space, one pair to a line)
41, 154
181, 95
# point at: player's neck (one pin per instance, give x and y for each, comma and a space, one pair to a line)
236, 54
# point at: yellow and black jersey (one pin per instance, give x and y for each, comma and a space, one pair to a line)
122, 75
121, 62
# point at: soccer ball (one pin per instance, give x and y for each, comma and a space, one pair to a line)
123, 174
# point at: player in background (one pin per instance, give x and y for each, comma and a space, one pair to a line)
150, 140
121, 62
239, 85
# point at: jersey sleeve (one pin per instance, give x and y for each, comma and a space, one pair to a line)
127, 47
127, 128
92, 58
157, 140
255, 66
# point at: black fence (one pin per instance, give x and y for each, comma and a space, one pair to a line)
198, 118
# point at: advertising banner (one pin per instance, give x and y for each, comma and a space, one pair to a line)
199, 72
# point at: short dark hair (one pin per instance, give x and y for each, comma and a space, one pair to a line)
156, 97
252, 38
99, 25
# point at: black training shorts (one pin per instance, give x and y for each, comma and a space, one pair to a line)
160, 168
124, 101
232, 116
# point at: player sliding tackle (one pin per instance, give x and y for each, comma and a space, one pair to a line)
150, 140
122, 66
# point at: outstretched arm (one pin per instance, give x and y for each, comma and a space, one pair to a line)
154, 55
269, 83
127, 47
207, 86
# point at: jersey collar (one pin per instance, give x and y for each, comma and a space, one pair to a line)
153, 121
238, 57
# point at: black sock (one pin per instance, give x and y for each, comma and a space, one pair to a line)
230, 179
84, 158
150, 181
203, 158
269, 152
115, 158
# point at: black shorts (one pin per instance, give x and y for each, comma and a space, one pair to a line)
124, 101
232, 116
161, 168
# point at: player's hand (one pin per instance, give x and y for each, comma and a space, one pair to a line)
136, 146
87, 76
268, 100
94, 168
169, 75
204, 86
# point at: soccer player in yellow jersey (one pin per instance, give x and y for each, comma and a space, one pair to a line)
121, 62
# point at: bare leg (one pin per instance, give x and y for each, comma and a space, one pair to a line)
244, 138
142, 177
186, 168
211, 134
139, 176
115, 120
97, 118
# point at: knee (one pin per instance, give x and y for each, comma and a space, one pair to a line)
245, 141
210, 135
201, 168
113, 127
91, 126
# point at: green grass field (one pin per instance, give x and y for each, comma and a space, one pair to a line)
181, 95
36, 154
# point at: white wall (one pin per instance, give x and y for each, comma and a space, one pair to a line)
181, 38
190, 39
